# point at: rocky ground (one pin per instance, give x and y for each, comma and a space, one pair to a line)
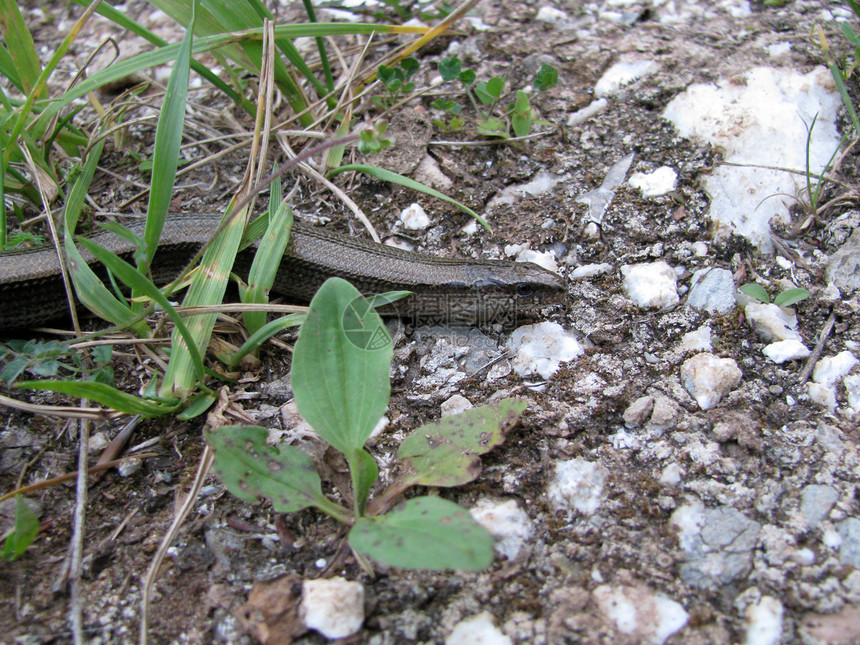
687, 469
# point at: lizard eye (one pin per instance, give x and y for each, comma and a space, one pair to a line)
524, 290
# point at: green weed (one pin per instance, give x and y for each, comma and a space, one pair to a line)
340, 378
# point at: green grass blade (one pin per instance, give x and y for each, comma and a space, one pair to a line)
265, 266
207, 288
406, 182
846, 100
90, 290
106, 395
168, 138
125, 22
141, 284
21, 49
263, 334
9, 71
42, 82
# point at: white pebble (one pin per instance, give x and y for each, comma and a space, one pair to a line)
786, 350
541, 348
622, 74
505, 521
578, 485
651, 285
334, 606
772, 322
708, 378
653, 184
414, 217
455, 405
764, 622
479, 629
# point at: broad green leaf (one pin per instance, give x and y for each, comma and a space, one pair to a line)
251, 469
425, 533
25, 530
449, 68
790, 297
483, 94
394, 178
445, 453
467, 77
492, 127
410, 66
547, 77
340, 366
755, 291
198, 405
107, 395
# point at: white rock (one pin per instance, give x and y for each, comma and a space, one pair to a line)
831, 369
653, 184
477, 630
578, 484
333, 606
589, 271
764, 622
97, 442
541, 348
759, 120
505, 521
828, 372
551, 15
595, 107
414, 217
637, 611
852, 388
651, 285
622, 74
698, 340
671, 475
455, 405
540, 183
708, 378
786, 350
428, 172
545, 259
772, 322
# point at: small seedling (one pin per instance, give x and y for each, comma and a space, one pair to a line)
340, 378
396, 82
492, 121
25, 530
47, 358
785, 299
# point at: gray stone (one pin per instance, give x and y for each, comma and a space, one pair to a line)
843, 270
718, 544
712, 290
816, 501
849, 531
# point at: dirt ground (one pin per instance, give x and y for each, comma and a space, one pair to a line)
551, 591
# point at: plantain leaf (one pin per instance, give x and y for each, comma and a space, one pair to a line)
425, 533
755, 291
251, 469
790, 297
340, 366
445, 453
